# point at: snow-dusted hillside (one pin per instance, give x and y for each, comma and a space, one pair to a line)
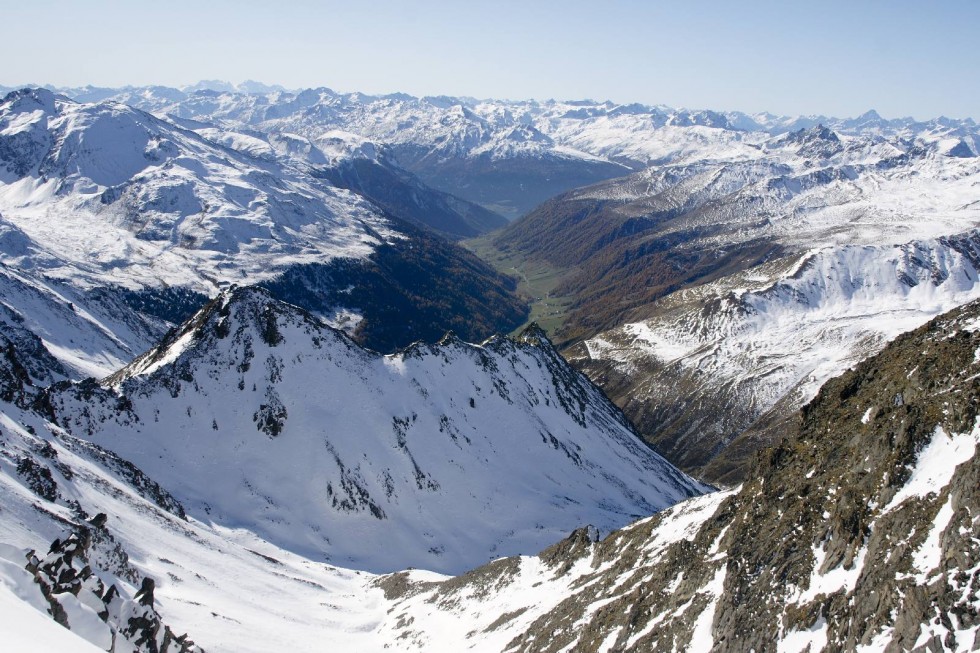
257, 416
109, 193
887, 222
719, 357
712, 212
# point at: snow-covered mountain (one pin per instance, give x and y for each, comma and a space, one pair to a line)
107, 198
114, 194
255, 448
857, 533
512, 155
688, 282
732, 359
629, 241
256, 414
227, 464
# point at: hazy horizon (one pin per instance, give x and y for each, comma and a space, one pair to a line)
836, 58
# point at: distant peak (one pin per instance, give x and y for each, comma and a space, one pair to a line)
818, 132
41, 97
210, 85
824, 133
533, 334
252, 86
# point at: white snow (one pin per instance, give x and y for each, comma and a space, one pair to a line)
877, 643
834, 579
928, 556
27, 630
813, 639
443, 457
936, 463
85, 622
131, 200
701, 637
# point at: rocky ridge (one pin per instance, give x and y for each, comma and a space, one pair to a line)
858, 532
81, 601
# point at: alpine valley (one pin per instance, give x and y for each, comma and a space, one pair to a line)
303, 370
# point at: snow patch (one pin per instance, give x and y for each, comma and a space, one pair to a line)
936, 463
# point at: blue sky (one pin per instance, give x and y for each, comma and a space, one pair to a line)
837, 58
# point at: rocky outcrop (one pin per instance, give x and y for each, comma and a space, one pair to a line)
81, 601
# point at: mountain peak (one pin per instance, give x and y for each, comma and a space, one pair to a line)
869, 115
298, 428
533, 334
819, 132
450, 338
22, 99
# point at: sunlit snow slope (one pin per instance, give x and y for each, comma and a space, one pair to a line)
256, 415
104, 193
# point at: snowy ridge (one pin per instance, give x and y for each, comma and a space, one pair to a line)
88, 334
849, 547
503, 437
504, 600
528, 604
90, 603
777, 333
160, 205
463, 127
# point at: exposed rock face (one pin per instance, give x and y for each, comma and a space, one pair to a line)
81, 601
859, 531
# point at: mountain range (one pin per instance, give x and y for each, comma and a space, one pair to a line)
254, 391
